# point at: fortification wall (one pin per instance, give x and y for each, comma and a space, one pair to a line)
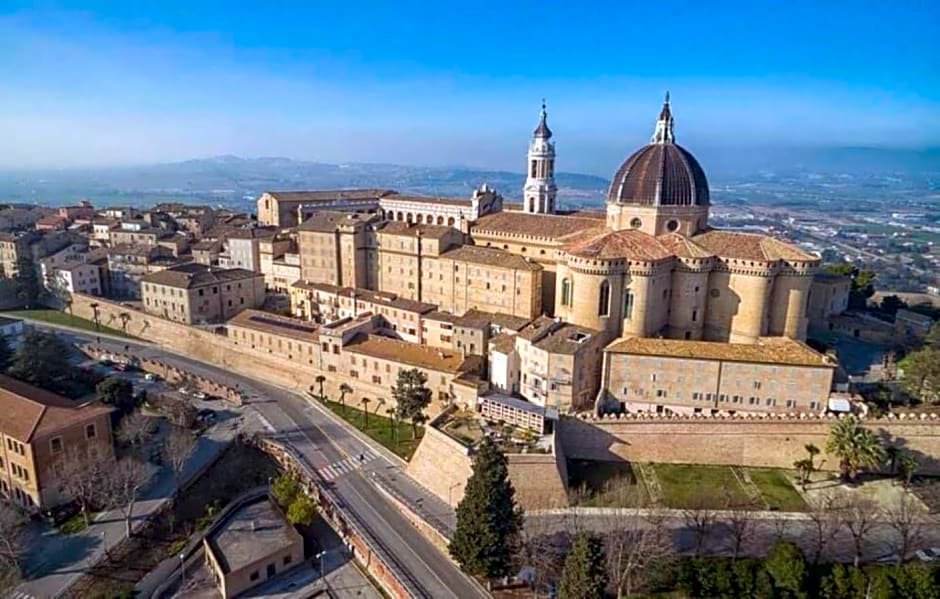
763, 442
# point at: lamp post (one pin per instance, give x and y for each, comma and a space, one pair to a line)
449, 492
322, 557
182, 570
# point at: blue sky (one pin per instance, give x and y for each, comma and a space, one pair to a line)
100, 83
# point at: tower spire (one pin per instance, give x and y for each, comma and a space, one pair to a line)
540, 189
663, 134
542, 129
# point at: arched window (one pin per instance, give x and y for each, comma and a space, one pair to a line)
440, 220
566, 292
450, 221
628, 305
603, 299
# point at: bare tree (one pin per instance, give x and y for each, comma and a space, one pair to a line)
134, 429
123, 484
740, 529
825, 524
541, 551
859, 517
81, 477
634, 543
780, 524
177, 446
908, 520
12, 521
700, 521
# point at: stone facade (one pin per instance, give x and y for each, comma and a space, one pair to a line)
195, 293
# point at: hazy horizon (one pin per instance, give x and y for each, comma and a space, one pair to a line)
120, 85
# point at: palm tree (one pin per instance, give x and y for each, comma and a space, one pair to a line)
379, 402
855, 446
343, 390
907, 465
94, 308
893, 453
813, 451
392, 414
804, 468
320, 380
124, 318
417, 420
365, 408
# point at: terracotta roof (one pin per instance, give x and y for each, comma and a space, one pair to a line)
327, 221
545, 226
750, 246
329, 195
191, 275
275, 324
30, 412
397, 227
475, 254
478, 319
683, 247
253, 232
503, 343
566, 339
660, 174
209, 245
378, 298
774, 350
632, 244
440, 316
412, 354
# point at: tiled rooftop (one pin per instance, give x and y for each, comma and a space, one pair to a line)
412, 354
750, 246
491, 257
329, 195
632, 244
275, 324
30, 412
775, 350
191, 275
542, 226
254, 531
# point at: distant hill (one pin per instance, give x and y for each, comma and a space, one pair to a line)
763, 176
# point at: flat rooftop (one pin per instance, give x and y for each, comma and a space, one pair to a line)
275, 324
249, 534
412, 354
767, 350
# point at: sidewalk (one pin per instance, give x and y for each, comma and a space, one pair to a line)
54, 562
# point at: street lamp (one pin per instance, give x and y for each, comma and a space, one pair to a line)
449, 490
322, 557
182, 570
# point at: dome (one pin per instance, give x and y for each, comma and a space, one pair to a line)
662, 173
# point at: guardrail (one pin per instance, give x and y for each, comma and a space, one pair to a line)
374, 555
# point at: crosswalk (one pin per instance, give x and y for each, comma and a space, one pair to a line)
343, 467
17, 594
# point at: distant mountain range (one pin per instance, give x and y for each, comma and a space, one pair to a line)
236, 182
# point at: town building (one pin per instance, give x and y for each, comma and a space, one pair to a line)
250, 546
39, 431
243, 248
283, 208
198, 294
774, 374
911, 327
73, 276
128, 264
497, 407
828, 297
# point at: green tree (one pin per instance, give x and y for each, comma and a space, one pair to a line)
854, 445
786, 565
585, 573
921, 378
892, 453
344, 389
118, 392
320, 380
804, 468
285, 488
488, 520
42, 359
6, 354
302, 510
412, 396
862, 283
812, 451
365, 401
907, 466
29, 288
891, 304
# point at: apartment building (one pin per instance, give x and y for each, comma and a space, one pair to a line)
243, 248
39, 430
74, 277
776, 374
128, 264
195, 293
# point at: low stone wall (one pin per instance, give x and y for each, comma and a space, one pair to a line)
762, 442
172, 374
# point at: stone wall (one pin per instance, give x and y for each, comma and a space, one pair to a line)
763, 442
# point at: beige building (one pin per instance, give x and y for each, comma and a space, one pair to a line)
828, 297
774, 374
37, 431
195, 293
252, 545
284, 208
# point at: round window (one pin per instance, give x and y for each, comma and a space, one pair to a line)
636, 223
672, 225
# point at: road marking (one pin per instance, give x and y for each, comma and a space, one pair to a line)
267, 424
345, 466
20, 595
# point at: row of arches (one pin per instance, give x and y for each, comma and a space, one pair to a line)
419, 218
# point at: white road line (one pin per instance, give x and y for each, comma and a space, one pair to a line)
267, 424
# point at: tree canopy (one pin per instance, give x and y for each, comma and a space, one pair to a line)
854, 445
862, 283
921, 368
488, 520
6, 354
411, 393
43, 360
118, 392
585, 573
29, 288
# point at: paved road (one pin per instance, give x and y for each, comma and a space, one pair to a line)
322, 443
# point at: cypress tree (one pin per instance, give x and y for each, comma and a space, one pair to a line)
585, 572
488, 520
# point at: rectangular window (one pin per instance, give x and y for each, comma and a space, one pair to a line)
55, 445
90, 431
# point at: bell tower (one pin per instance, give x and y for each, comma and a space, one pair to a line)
540, 189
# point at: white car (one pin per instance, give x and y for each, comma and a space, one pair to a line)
151, 377
200, 395
928, 555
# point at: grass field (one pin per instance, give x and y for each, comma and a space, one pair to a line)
605, 484
380, 429
691, 486
777, 490
62, 318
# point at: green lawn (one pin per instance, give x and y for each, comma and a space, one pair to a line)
380, 429
777, 490
63, 318
73, 525
605, 484
691, 486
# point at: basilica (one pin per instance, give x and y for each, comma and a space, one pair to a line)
568, 286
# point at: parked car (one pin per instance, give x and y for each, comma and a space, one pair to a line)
928, 555
200, 395
151, 377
